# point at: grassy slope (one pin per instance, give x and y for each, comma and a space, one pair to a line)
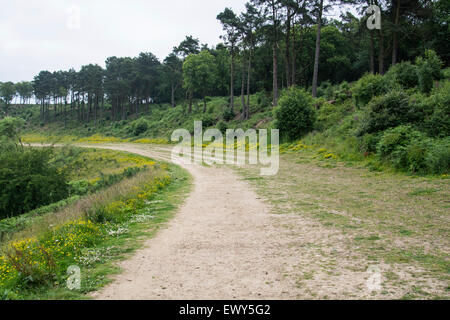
95, 261
99, 263
89, 165
162, 121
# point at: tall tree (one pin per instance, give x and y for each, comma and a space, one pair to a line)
7, 93
317, 52
187, 47
25, 91
199, 71
271, 10
231, 26
174, 67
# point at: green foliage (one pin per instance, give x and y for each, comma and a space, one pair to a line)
437, 124
404, 74
410, 150
387, 111
228, 115
7, 93
10, 129
438, 157
139, 126
428, 70
369, 86
329, 114
403, 147
199, 72
28, 180
295, 115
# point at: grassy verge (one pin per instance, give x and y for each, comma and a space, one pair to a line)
92, 233
89, 171
395, 220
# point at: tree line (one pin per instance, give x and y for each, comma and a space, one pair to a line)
272, 45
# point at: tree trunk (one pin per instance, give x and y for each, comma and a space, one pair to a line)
244, 107
372, 55
294, 56
232, 81
204, 104
173, 95
247, 114
381, 53
275, 75
190, 103
288, 48
317, 56
395, 35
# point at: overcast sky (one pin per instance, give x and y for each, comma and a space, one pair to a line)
55, 35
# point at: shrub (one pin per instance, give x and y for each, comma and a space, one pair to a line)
369, 86
295, 116
28, 180
428, 70
262, 99
329, 114
405, 148
404, 73
438, 158
369, 143
222, 126
438, 123
139, 126
228, 115
208, 120
388, 111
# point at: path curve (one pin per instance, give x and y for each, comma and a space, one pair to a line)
222, 244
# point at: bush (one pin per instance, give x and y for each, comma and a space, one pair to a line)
388, 111
405, 148
222, 126
369, 86
438, 123
295, 116
208, 121
404, 74
438, 158
262, 99
139, 126
428, 69
329, 114
28, 180
228, 115
369, 143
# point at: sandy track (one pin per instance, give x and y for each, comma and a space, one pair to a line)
222, 244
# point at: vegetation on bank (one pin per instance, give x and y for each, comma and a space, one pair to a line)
90, 234
61, 205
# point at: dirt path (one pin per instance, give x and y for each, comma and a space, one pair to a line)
222, 244
313, 232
